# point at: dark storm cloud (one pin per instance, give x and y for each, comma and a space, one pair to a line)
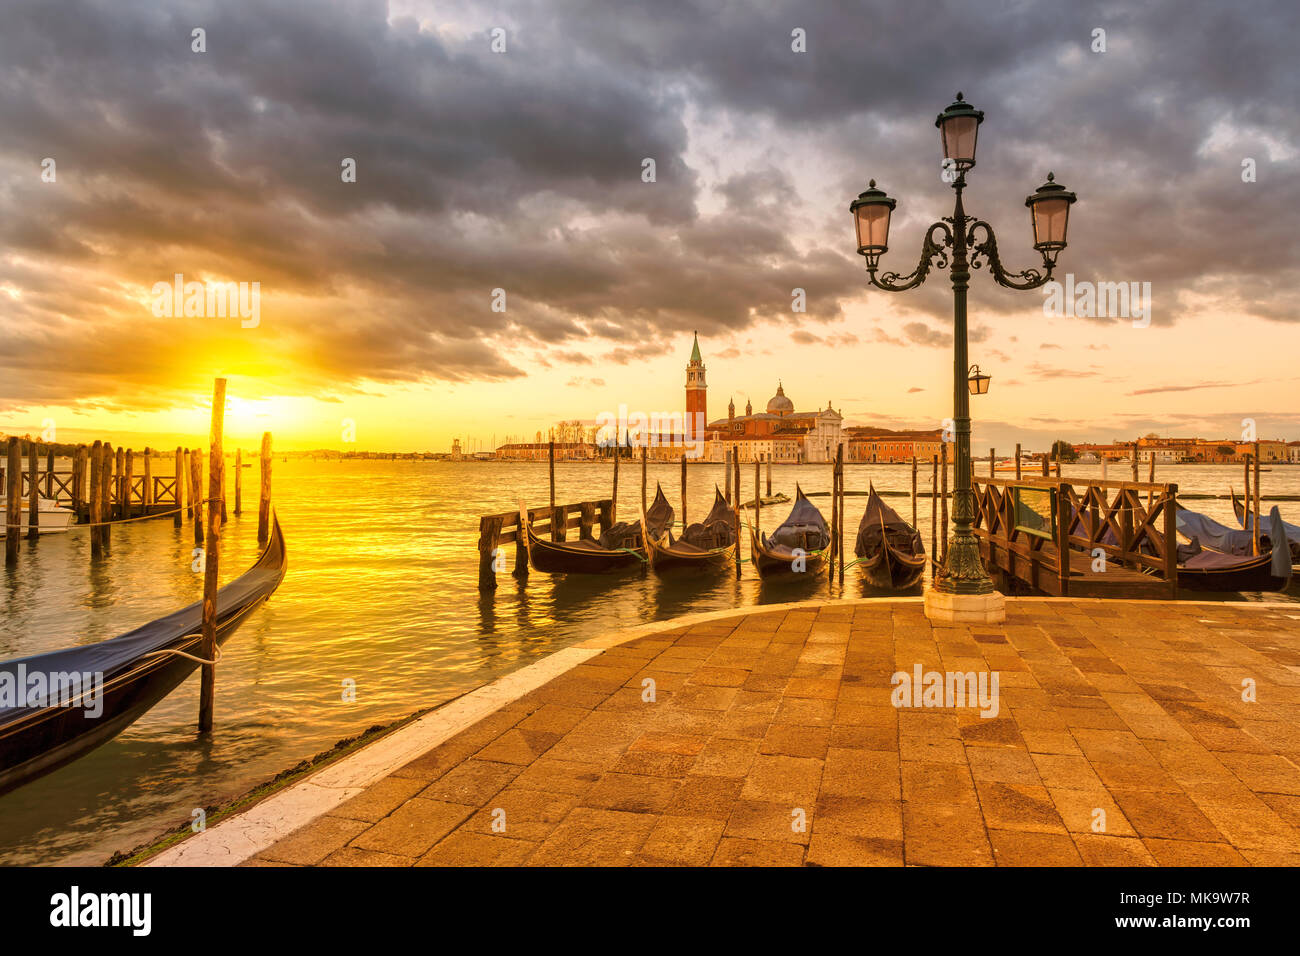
522, 171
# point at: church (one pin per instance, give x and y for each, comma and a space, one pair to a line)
779, 433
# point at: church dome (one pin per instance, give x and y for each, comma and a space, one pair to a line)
779, 404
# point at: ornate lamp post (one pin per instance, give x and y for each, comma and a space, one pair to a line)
964, 589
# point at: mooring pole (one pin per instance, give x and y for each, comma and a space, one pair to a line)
200, 500
264, 495
839, 467
683, 491
943, 502
1257, 508
643, 478
13, 500
835, 521
106, 500
934, 514
96, 514
1017, 461
239, 483
33, 492
212, 558
613, 504
914, 488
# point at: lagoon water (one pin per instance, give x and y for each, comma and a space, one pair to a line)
381, 590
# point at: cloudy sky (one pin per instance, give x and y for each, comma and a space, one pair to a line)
521, 170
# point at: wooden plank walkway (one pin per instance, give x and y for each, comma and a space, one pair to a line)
1121, 738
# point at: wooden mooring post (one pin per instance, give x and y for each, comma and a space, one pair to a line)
264, 493
1017, 461
643, 479
49, 472
178, 519
735, 469
913, 491
769, 474
839, 467
683, 491
128, 472
239, 481
200, 500
613, 501
758, 498
119, 485
726, 468
835, 520
96, 511
13, 499
106, 499
212, 558
934, 514
993, 462
33, 492
943, 502
148, 494
1255, 523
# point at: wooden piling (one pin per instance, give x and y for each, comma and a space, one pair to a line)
1017, 461
223, 491
78, 478
212, 557
264, 494
178, 518
1255, 523
199, 499
683, 491
128, 473
49, 471
93, 499
643, 479
1047, 468
33, 492
1135, 461
13, 499
586, 518
726, 468
489, 532
550, 462
835, 520
934, 513
613, 499
943, 502
106, 499
913, 491
735, 509
839, 467
758, 501
121, 493
769, 474
1151, 477
993, 461
148, 494
239, 481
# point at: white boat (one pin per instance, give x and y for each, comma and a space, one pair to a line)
53, 519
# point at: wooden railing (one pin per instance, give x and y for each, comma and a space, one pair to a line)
1087, 520
498, 530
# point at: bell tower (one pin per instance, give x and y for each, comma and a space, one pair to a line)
697, 416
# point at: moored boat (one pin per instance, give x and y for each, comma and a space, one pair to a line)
619, 547
889, 550
51, 517
799, 545
1267, 526
706, 545
1206, 569
55, 707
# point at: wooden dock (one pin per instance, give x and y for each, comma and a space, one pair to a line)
1064, 538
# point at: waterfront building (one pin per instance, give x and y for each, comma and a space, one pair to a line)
883, 445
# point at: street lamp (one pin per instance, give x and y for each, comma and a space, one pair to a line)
952, 244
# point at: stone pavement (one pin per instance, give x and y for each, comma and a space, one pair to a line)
1129, 710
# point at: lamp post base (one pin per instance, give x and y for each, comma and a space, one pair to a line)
947, 610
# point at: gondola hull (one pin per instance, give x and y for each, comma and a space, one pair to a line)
563, 557
665, 554
891, 570
668, 557
771, 564
890, 565
35, 741
1254, 574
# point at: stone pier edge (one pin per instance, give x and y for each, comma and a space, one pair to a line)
247, 833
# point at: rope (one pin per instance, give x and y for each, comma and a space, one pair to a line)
199, 660
160, 514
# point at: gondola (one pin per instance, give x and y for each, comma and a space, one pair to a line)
889, 550
804, 531
1266, 526
1204, 569
706, 545
620, 547
43, 727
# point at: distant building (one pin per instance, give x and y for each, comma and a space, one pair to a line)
884, 445
780, 431
540, 451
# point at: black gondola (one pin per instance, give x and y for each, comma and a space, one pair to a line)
804, 531
620, 547
1266, 526
706, 545
889, 550
50, 711
1203, 569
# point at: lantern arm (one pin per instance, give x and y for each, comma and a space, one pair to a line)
932, 255
988, 250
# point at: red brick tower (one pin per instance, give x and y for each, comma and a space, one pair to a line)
696, 394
